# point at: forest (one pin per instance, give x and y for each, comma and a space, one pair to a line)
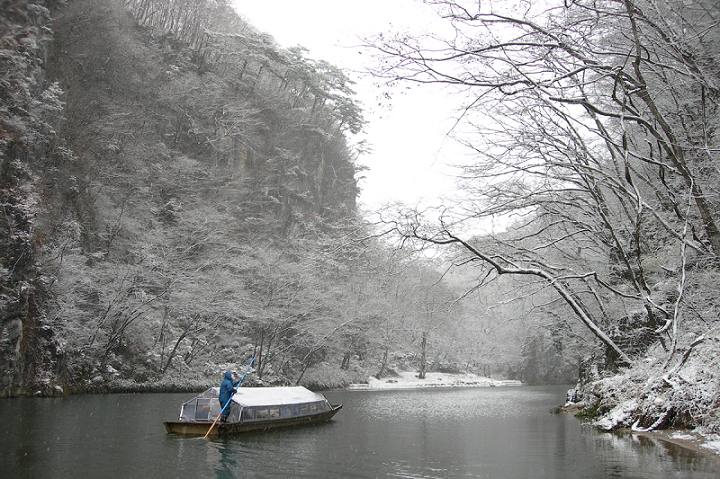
179, 193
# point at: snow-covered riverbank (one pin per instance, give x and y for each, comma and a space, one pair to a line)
409, 380
676, 402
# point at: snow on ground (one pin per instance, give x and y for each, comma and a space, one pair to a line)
713, 446
682, 436
409, 380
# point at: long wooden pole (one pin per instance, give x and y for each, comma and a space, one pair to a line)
231, 396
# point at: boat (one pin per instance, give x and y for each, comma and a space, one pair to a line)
252, 409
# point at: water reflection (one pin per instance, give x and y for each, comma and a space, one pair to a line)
222, 460
648, 454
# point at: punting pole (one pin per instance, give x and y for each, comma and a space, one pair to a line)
231, 396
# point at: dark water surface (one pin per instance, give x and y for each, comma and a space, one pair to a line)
493, 433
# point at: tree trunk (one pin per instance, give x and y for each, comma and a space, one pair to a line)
383, 365
345, 365
423, 356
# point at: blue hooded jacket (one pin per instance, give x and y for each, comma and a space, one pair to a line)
227, 388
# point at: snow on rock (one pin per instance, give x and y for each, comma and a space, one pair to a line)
619, 416
677, 398
409, 380
676, 395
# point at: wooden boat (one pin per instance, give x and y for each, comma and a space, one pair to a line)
253, 409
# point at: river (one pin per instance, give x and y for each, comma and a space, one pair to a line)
493, 433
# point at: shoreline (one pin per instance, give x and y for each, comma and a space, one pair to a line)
409, 380
685, 438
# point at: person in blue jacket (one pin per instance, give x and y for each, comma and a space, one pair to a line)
227, 389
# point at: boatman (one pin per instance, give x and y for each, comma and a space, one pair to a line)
227, 389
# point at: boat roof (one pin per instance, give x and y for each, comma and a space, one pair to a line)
274, 396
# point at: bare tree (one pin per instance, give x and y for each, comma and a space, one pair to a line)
590, 121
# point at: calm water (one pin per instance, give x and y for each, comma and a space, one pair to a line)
491, 433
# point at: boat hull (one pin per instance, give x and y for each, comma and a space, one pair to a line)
226, 429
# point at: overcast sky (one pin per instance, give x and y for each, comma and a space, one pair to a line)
407, 137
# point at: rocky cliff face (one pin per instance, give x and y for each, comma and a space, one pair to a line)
143, 178
30, 356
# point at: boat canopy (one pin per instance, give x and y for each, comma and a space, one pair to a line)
277, 396
256, 404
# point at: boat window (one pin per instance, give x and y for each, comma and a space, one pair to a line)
188, 411
202, 410
304, 409
286, 412
296, 410
249, 413
275, 412
313, 407
233, 412
262, 414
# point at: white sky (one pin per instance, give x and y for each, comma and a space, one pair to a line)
408, 141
